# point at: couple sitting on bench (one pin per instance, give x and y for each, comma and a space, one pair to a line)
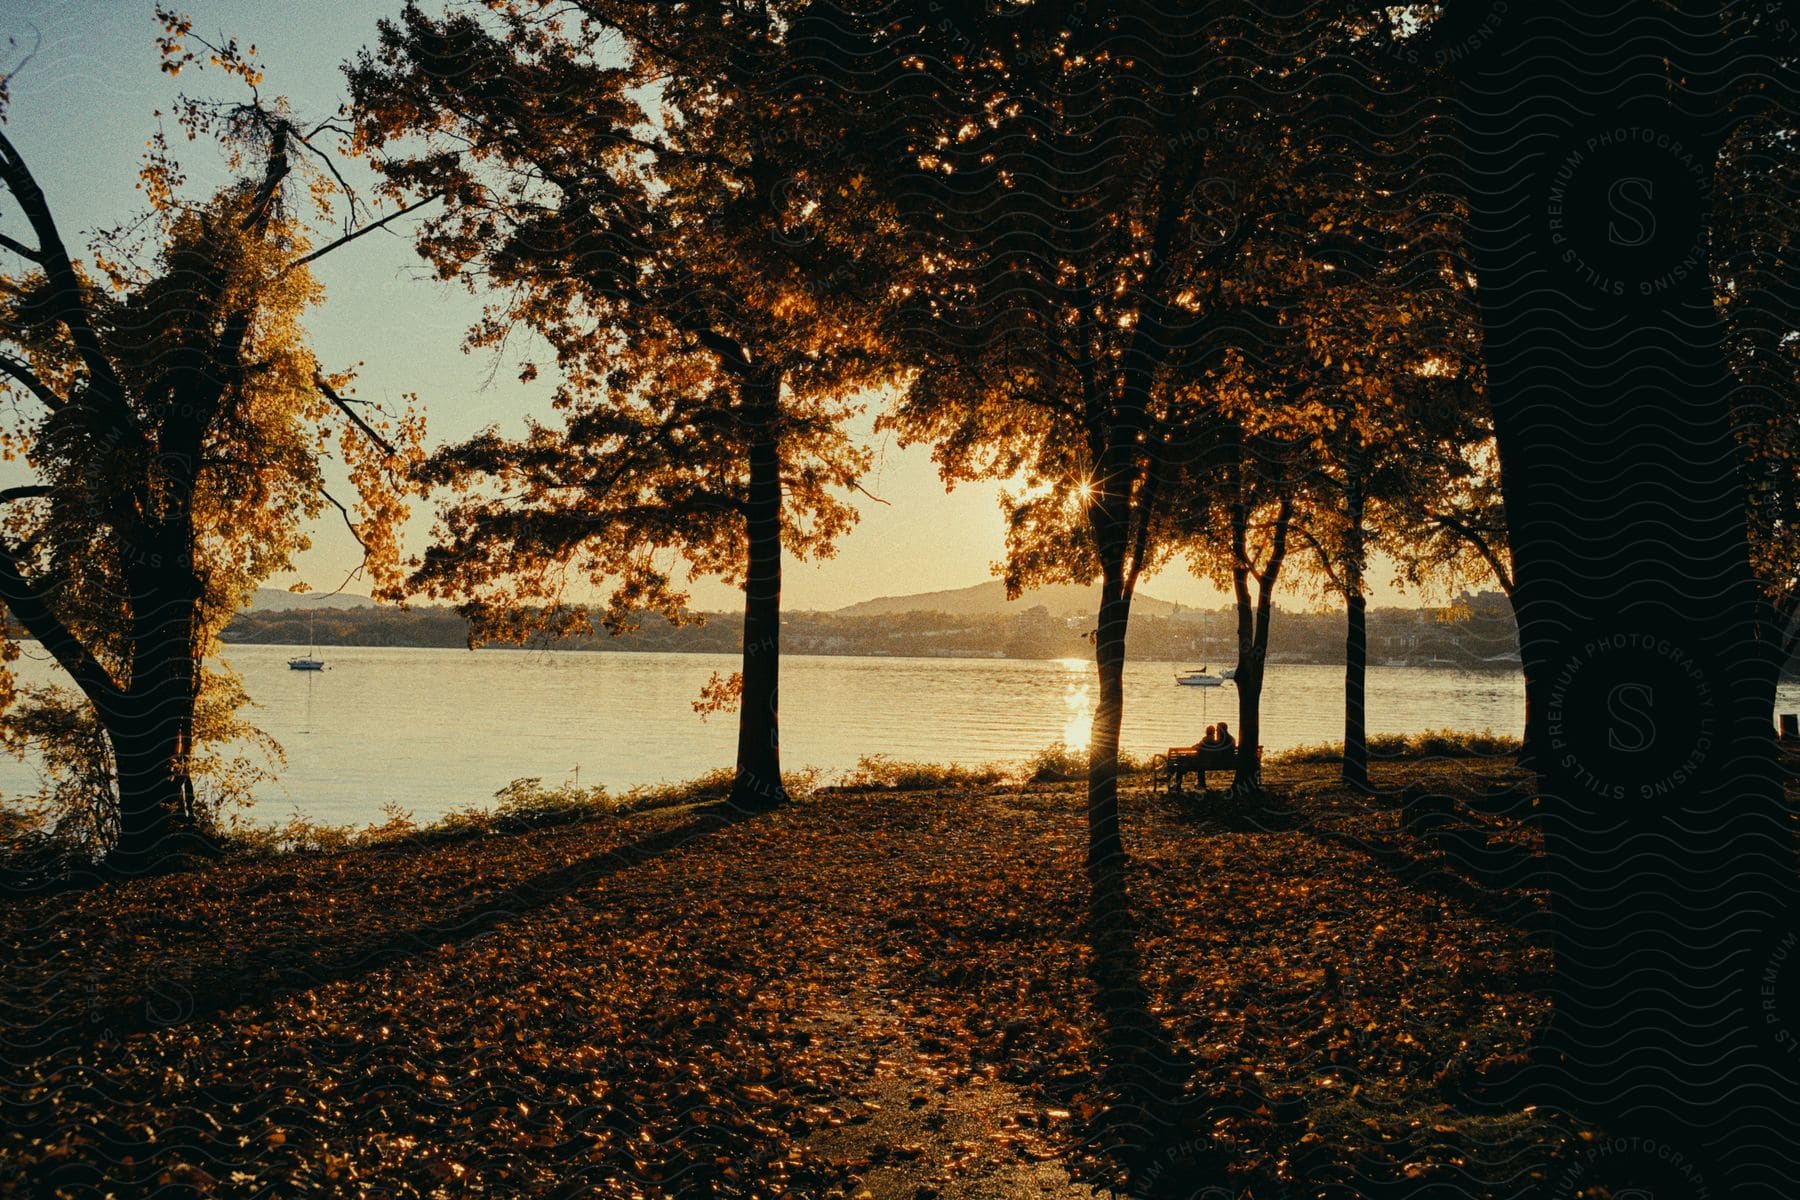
1217, 751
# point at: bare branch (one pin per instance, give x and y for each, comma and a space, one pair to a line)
371, 227
71, 305
21, 249
871, 495
368, 431
348, 523
353, 204
29, 491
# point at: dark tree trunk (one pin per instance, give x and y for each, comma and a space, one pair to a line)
1253, 642
1670, 850
1356, 671
758, 782
1356, 631
1533, 736
156, 823
1247, 679
151, 725
1106, 852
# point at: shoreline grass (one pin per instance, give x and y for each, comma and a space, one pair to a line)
32, 860
1432, 743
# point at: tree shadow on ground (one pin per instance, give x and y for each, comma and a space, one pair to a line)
1146, 1127
301, 966
1440, 847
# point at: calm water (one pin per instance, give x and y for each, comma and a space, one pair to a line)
433, 730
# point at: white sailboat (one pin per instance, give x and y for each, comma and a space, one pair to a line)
1205, 677
311, 661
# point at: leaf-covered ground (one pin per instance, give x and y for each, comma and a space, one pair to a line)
881, 993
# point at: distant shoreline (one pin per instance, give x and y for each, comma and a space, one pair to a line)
1480, 636
552, 648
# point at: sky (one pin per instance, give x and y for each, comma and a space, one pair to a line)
83, 105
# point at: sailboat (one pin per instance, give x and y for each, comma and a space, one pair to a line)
1204, 677
311, 661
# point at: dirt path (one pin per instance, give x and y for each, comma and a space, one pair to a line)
915, 1131
921, 1120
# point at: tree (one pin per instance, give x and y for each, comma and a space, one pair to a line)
174, 419
1102, 228
1350, 477
1448, 528
1753, 257
1407, 360
1240, 536
1592, 145
708, 289
1365, 309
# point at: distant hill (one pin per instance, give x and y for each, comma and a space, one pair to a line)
989, 600
276, 600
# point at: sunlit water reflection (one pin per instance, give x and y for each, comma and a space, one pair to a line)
1078, 699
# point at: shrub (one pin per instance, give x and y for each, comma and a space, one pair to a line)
710, 788
527, 804
1057, 763
1433, 743
879, 772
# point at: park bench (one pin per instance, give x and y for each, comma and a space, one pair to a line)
1197, 760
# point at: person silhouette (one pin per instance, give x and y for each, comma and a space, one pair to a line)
1225, 739
1211, 738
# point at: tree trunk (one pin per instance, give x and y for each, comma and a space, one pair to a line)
156, 824
1356, 632
1533, 736
1247, 679
758, 782
1106, 852
1670, 850
151, 725
1253, 646
1356, 670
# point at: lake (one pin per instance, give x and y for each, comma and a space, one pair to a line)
434, 730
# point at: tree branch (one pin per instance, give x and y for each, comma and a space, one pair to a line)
19, 371
729, 350
26, 603
368, 431
21, 249
371, 227
348, 523
1502, 573
871, 495
71, 307
1324, 557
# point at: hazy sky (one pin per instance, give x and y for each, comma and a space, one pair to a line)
81, 112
